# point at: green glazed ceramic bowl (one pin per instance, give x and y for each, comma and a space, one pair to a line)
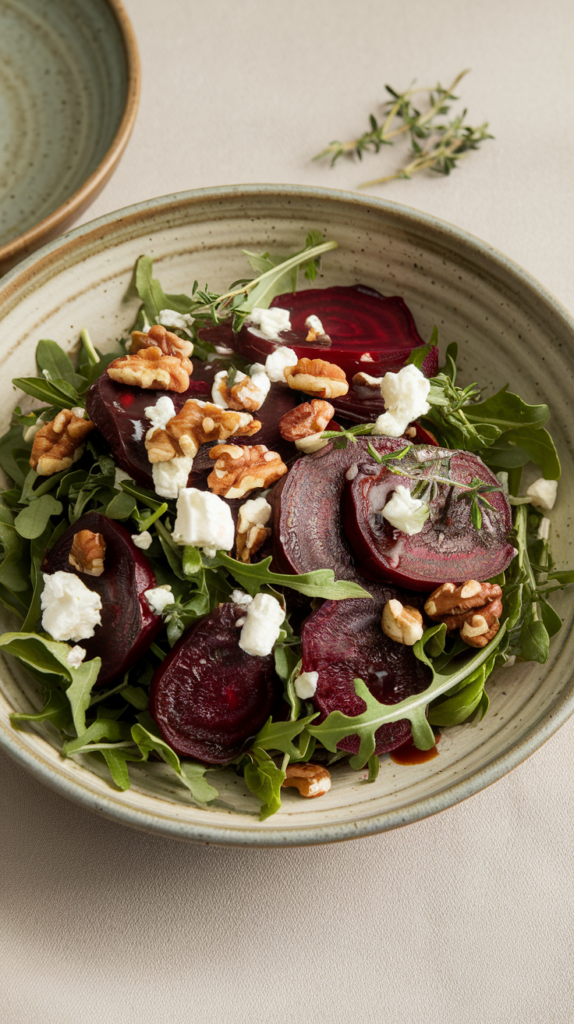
69, 87
509, 329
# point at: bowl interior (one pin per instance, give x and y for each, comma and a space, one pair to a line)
509, 330
63, 89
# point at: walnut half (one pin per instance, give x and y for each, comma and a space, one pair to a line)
57, 445
239, 469
310, 779
88, 552
167, 341
151, 368
195, 423
317, 377
474, 608
306, 419
402, 623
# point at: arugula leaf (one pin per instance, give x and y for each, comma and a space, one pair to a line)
33, 520
373, 764
280, 735
152, 294
55, 392
508, 412
319, 583
446, 673
456, 709
116, 760
59, 366
263, 778
418, 355
101, 729
56, 710
50, 657
190, 773
194, 775
122, 506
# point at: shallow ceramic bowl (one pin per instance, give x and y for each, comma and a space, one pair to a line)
509, 330
69, 87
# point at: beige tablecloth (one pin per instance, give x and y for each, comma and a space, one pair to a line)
466, 916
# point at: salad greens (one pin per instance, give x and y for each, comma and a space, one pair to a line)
115, 726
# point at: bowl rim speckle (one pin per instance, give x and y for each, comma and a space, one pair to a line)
54, 254
51, 225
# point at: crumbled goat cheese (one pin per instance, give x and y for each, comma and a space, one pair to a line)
204, 520
219, 379
255, 512
270, 322
314, 324
76, 656
146, 326
542, 493
71, 610
366, 358
170, 477
142, 540
262, 383
120, 475
262, 626
277, 361
259, 379
241, 598
161, 413
406, 513
312, 443
543, 529
405, 396
158, 598
306, 685
352, 472
171, 318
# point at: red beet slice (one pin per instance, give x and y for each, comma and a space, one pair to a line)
368, 332
128, 624
208, 697
118, 411
343, 640
449, 547
307, 526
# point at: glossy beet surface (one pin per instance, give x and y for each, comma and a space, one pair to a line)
128, 624
118, 411
449, 547
367, 332
307, 526
209, 697
342, 641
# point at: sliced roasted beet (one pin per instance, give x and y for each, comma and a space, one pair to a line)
128, 624
118, 411
449, 547
208, 697
367, 332
307, 526
343, 641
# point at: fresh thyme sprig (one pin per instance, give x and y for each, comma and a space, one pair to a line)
435, 145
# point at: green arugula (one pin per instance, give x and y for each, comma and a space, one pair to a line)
319, 583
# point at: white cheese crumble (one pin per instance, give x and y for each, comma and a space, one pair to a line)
255, 512
270, 322
219, 379
262, 626
542, 493
71, 610
75, 656
142, 540
161, 413
277, 361
171, 318
405, 396
543, 529
170, 477
314, 324
204, 520
406, 513
306, 685
158, 598
241, 598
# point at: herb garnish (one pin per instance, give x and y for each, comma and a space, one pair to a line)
436, 145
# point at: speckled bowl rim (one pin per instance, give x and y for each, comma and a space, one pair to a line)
111, 806
79, 199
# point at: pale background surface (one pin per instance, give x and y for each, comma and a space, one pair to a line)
463, 917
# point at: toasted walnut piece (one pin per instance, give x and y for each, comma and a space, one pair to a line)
306, 419
317, 377
244, 394
88, 552
167, 341
252, 529
195, 423
248, 543
402, 623
364, 380
310, 779
151, 368
240, 469
57, 445
473, 607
